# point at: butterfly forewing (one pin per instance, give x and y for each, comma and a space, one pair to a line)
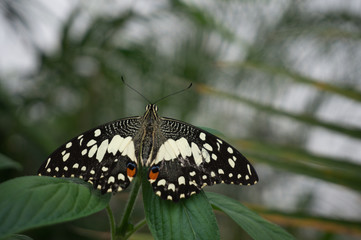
180, 158
104, 156
190, 158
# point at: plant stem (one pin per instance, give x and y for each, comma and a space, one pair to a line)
137, 226
112, 222
121, 230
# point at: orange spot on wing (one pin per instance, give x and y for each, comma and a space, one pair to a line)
130, 172
153, 176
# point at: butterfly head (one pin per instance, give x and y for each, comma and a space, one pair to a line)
151, 111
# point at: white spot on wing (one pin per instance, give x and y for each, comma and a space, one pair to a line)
220, 171
84, 152
57, 169
83, 168
92, 151
121, 176
171, 150
247, 177
76, 165
184, 148
230, 150
249, 169
181, 180
97, 133
196, 154
208, 147
68, 145
205, 155
102, 150
202, 136
66, 156
231, 162
161, 182
214, 156
193, 183
171, 186
115, 144
192, 173
47, 162
91, 143
130, 151
218, 146
111, 179
124, 143
161, 154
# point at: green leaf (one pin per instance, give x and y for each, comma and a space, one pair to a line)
18, 237
34, 201
7, 163
192, 218
253, 224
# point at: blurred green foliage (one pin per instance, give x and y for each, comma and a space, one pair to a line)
270, 75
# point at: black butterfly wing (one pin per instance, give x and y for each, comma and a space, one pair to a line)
104, 156
190, 158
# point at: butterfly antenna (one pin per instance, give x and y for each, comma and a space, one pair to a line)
135, 90
190, 85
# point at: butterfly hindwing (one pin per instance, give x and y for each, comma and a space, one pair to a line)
104, 156
176, 180
190, 158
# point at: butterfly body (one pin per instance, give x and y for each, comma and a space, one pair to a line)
180, 158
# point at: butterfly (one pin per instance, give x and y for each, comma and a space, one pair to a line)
180, 158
